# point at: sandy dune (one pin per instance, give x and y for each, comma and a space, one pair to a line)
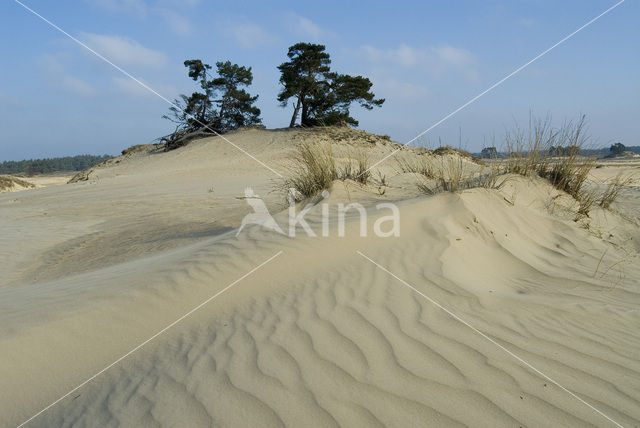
319, 335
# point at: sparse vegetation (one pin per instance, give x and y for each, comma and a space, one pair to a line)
542, 150
613, 190
8, 183
448, 175
316, 166
314, 169
554, 154
412, 163
360, 173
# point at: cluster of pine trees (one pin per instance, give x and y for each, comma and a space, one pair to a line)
320, 96
47, 166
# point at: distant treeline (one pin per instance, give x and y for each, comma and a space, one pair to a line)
607, 151
492, 152
46, 166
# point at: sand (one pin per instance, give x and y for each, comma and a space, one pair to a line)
319, 335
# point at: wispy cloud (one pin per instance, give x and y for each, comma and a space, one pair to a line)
77, 85
161, 9
248, 34
124, 51
54, 72
178, 24
134, 89
434, 59
527, 22
306, 27
396, 90
138, 7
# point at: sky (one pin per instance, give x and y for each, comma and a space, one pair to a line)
426, 58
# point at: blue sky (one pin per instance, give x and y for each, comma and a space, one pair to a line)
425, 57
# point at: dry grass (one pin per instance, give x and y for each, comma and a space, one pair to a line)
613, 190
7, 183
454, 174
314, 169
316, 166
447, 174
356, 168
536, 152
412, 163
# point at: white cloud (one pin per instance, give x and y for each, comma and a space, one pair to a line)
138, 7
395, 90
527, 22
50, 64
435, 59
249, 35
308, 28
162, 9
129, 86
455, 56
54, 72
123, 51
77, 86
176, 22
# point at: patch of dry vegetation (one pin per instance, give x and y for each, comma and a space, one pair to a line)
453, 173
613, 189
317, 165
415, 163
314, 169
8, 182
356, 168
542, 150
554, 154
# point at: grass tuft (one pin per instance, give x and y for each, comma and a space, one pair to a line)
613, 189
314, 169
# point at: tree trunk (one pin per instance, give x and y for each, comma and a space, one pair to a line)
304, 117
295, 114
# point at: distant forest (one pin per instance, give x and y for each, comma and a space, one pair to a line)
491, 152
46, 166
606, 151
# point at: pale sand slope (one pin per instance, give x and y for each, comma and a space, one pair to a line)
319, 336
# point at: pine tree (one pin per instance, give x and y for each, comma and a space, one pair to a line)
303, 77
323, 96
235, 106
220, 106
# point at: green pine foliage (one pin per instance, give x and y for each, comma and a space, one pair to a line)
221, 104
320, 96
47, 166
